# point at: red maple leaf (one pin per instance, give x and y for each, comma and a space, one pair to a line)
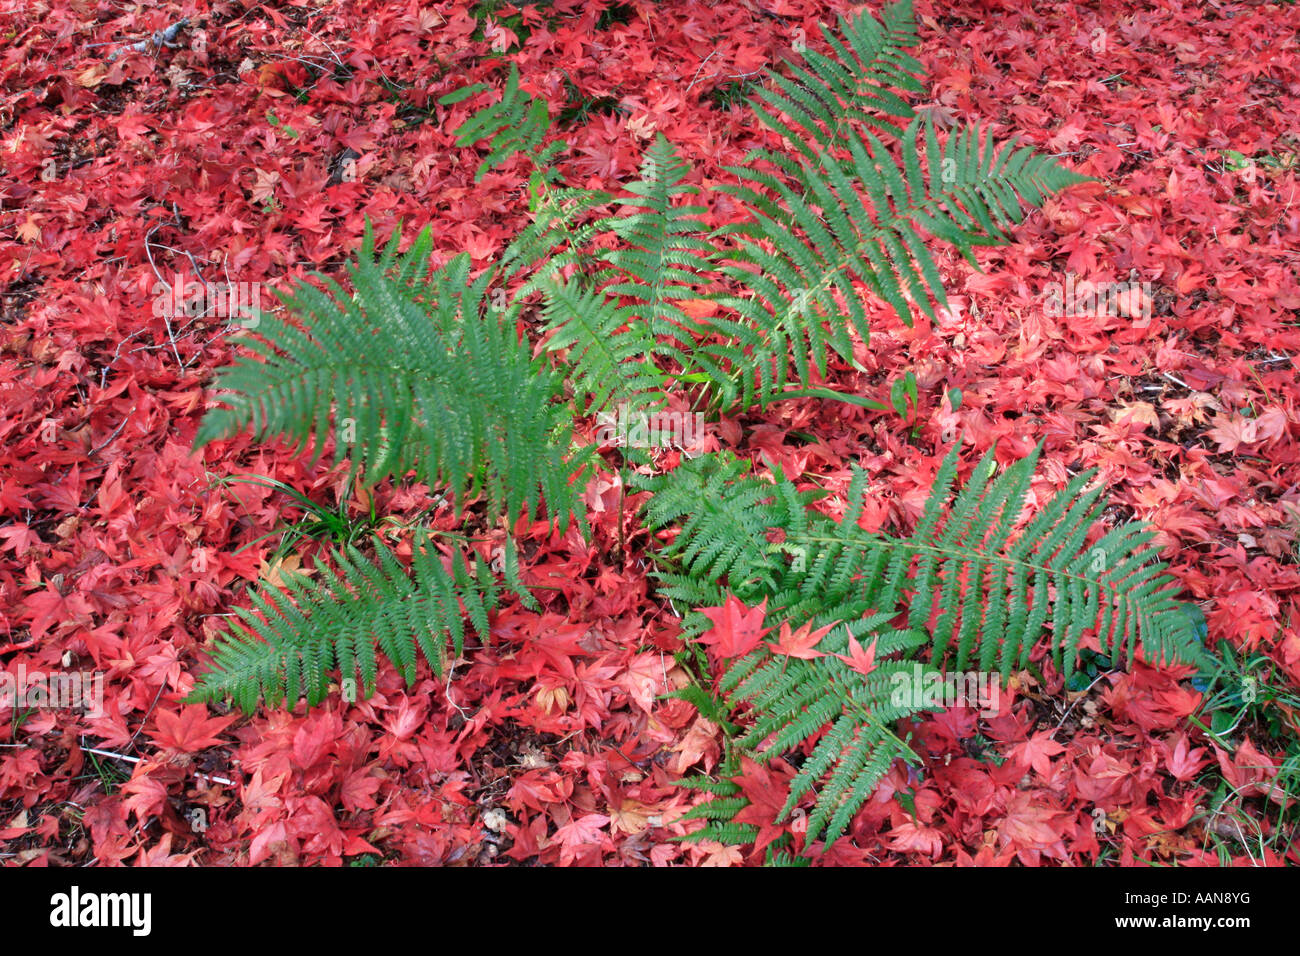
1186, 762
190, 730
1030, 825
864, 662
1037, 752
737, 629
766, 797
915, 838
801, 642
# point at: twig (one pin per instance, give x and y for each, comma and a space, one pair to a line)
156, 698
115, 756
700, 67
162, 38
117, 353
117, 431
1081, 697
166, 316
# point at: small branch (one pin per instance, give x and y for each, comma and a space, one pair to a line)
117, 431
129, 759
697, 71
171, 336
1070, 710
162, 38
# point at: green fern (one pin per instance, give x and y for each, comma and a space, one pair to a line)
618, 317
288, 644
726, 801
663, 253
408, 375
557, 239
982, 590
784, 858
858, 83
822, 228
837, 217
842, 213
610, 357
516, 123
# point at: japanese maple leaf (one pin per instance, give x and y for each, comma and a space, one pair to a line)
501, 37
766, 798
1270, 423
1037, 752
1031, 825
723, 856
914, 838
586, 829
700, 743
131, 124
737, 629
1232, 431
19, 537
864, 662
1186, 762
51, 606
1067, 135
1247, 770
190, 730
161, 855
406, 719
357, 790
148, 796
801, 642
265, 840
313, 739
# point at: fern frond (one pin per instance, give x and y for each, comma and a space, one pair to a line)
708, 708
664, 247
724, 515
626, 313
558, 237
726, 800
516, 123
409, 270
784, 858
841, 214
293, 638
719, 831
609, 352
857, 83
619, 311
968, 578
408, 376
824, 227
983, 589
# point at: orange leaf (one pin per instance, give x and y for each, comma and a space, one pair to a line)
698, 308
864, 662
736, 628
800, 643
